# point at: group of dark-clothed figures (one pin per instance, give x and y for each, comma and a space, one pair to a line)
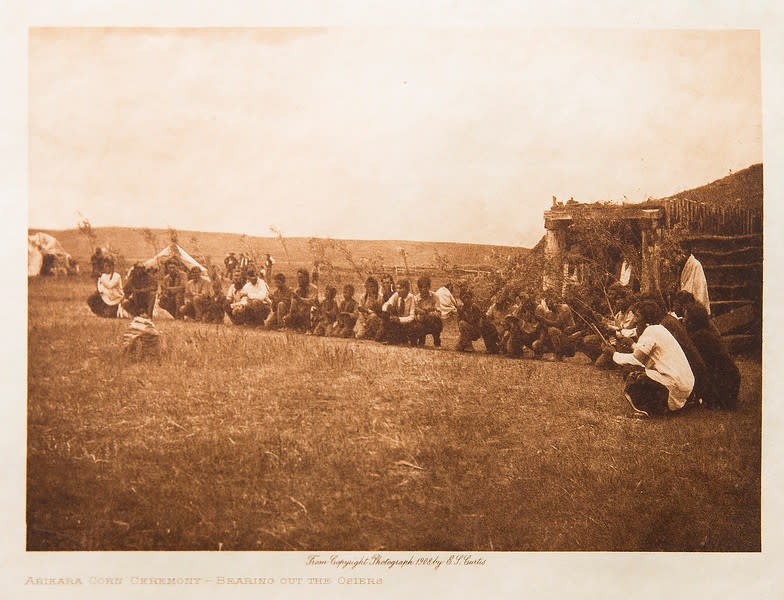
385, 311
669, 359
184, 293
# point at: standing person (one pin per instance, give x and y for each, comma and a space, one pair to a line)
469, 322
625, 273
693, 280
172, 288
368, 314
398, 316
198, 291
268, 262
140, 290
105, 302
303, 299
96, 261
665, 380
723, 376
281, 302
231, 263
232, 303
428, 313
255, 298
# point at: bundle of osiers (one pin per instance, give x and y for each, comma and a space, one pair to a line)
670, 360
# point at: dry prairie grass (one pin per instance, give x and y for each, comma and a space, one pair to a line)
248, 440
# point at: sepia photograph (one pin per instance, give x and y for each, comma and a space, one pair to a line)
452, 300
385, 289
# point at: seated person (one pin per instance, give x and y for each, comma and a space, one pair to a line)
387, 287
198, 293
722, 374
213, 308
281, 302
172, 288
140, 290
398, 316
105, 302
428, 313
325, 318
232, 303
216, 279
303, 299
555, 326
623, 324
696, 362
447, 303
522, 327
494, 325
346, 311
469, 322
621, 328
368, 313
254, 299
662, 380
682, 301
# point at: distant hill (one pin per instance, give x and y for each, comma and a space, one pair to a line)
138, 243
745, 185
133, 244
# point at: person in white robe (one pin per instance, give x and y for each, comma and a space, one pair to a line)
105, 302
665, 380
693, 281
447, 303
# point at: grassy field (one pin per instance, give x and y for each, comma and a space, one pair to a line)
249, 440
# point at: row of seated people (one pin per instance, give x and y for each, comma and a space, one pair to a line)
513, 326
183, 294
188, 295
687, 351
680, 351
387, 313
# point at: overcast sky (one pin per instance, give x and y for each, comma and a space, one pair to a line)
379, 133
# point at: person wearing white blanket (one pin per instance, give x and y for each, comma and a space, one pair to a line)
105, 302
447, 303
666, 380
693, 280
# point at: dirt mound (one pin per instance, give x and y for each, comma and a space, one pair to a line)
745, 185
